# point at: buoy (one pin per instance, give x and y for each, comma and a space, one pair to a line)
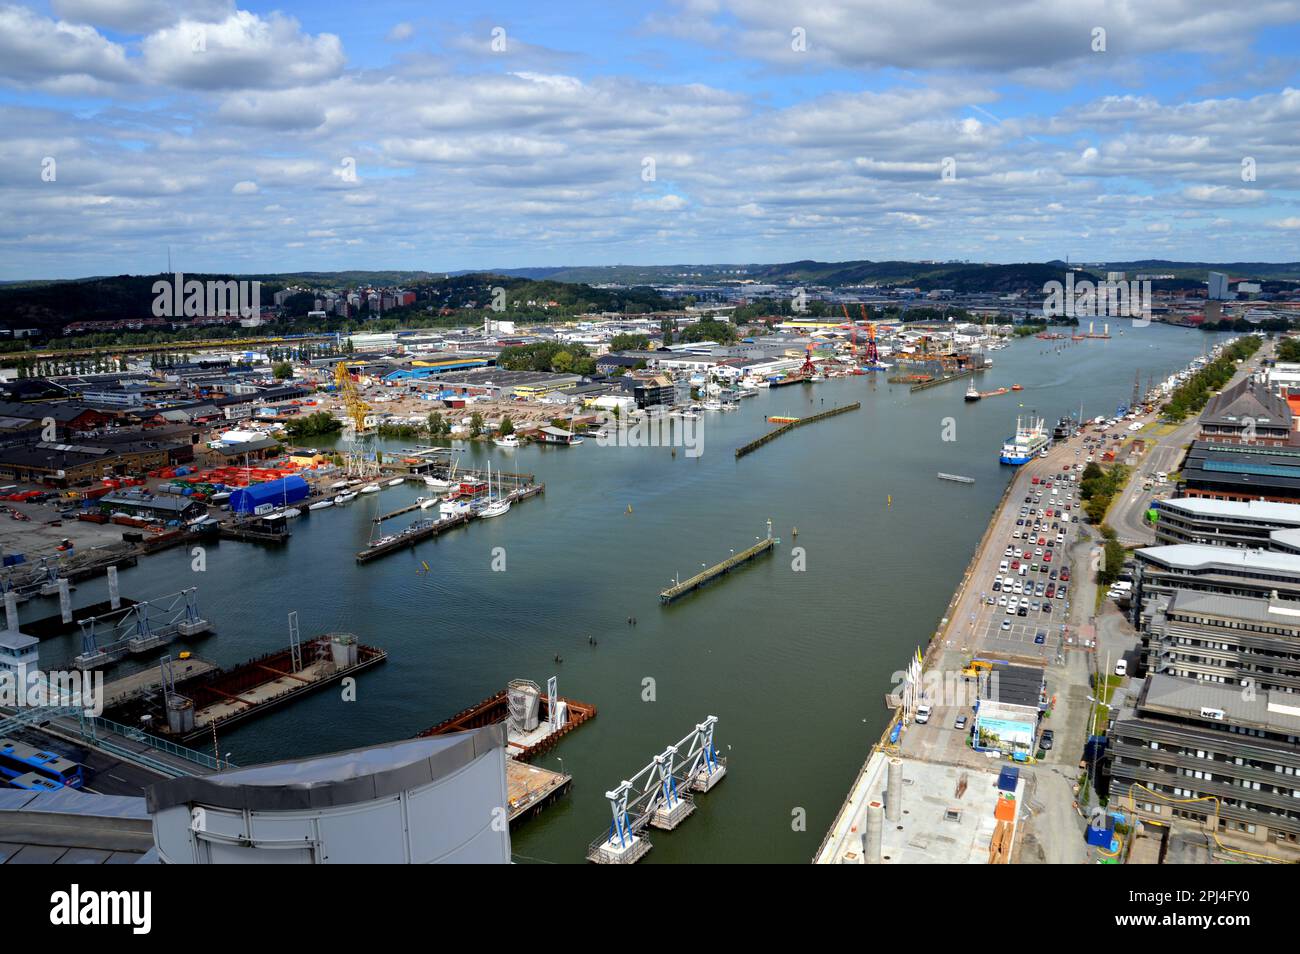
629, 508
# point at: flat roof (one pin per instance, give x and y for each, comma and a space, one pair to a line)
1274, 711
1264, 511
1201, 556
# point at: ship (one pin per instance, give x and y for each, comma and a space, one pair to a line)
1029, 439
1064, 429
972, 394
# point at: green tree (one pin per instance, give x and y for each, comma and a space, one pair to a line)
282, 371
507, 426
437, 424
476, 424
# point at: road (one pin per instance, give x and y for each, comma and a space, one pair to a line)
1165, 454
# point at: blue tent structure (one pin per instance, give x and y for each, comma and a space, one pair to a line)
289, 489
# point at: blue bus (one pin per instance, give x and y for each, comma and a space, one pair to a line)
19, 758
35, 783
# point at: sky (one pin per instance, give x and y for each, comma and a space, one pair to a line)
241, 137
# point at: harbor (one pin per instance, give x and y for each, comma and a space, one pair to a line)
763, 629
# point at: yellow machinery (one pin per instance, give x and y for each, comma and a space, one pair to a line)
347, 388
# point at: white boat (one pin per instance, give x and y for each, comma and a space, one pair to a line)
689, 416
321, 505
713, 405
453, 508
495, 509
508, 441
344, 498
396, 480
427, 502
290, 513
437, 483
370, 489
338, 485
220, 496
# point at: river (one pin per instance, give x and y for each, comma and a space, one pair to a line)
794, 663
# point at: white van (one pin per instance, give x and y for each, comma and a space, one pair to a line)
1121, 668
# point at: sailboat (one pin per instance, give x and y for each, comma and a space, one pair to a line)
502, 504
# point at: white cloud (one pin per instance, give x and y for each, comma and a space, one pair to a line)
246, 187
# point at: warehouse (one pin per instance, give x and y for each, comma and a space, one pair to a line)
276, 493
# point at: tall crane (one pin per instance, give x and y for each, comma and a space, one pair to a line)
357, 408
872, 356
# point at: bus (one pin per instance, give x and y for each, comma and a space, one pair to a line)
19, 758
35, 783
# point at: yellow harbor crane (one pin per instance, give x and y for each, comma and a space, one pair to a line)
347, 388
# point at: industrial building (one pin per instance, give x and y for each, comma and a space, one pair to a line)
1191, 754
1248, 412
1240, 471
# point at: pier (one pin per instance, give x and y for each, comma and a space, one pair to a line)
678, 590
661, 794
533, 727
425, 529
791, 425
944, 379
221, 697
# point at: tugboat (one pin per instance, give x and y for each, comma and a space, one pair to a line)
972, 395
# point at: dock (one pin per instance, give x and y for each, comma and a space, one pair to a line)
530, 788
250, 534
150, 680
222, 697
957, 478
944, 379
677, 591
426, 529
522, 743
791, 425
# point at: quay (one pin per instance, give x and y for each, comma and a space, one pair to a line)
150, 680
533, 727
425, 529
678, 590
222, 697
791, 425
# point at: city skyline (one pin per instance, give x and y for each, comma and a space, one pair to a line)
276, 139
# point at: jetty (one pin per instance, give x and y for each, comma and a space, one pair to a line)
935, 382
792, 424
678, 590
426, 529
957, 478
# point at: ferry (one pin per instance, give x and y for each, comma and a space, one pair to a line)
1029, 439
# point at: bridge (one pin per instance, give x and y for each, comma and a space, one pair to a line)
660, 794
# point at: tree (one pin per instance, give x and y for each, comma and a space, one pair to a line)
507, 426
562, 363
476, 424
282, 371
437, 425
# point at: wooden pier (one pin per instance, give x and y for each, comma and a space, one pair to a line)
425, 530
679, 590
800, 422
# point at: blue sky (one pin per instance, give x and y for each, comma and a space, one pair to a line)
250, 137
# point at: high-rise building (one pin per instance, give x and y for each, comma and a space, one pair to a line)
1218, 287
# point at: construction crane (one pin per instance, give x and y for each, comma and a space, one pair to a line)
872, 356
347, 388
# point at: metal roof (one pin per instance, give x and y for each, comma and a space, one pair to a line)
1200, 556
345, 778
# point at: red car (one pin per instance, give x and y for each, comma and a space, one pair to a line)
1047, 557
1065, 574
